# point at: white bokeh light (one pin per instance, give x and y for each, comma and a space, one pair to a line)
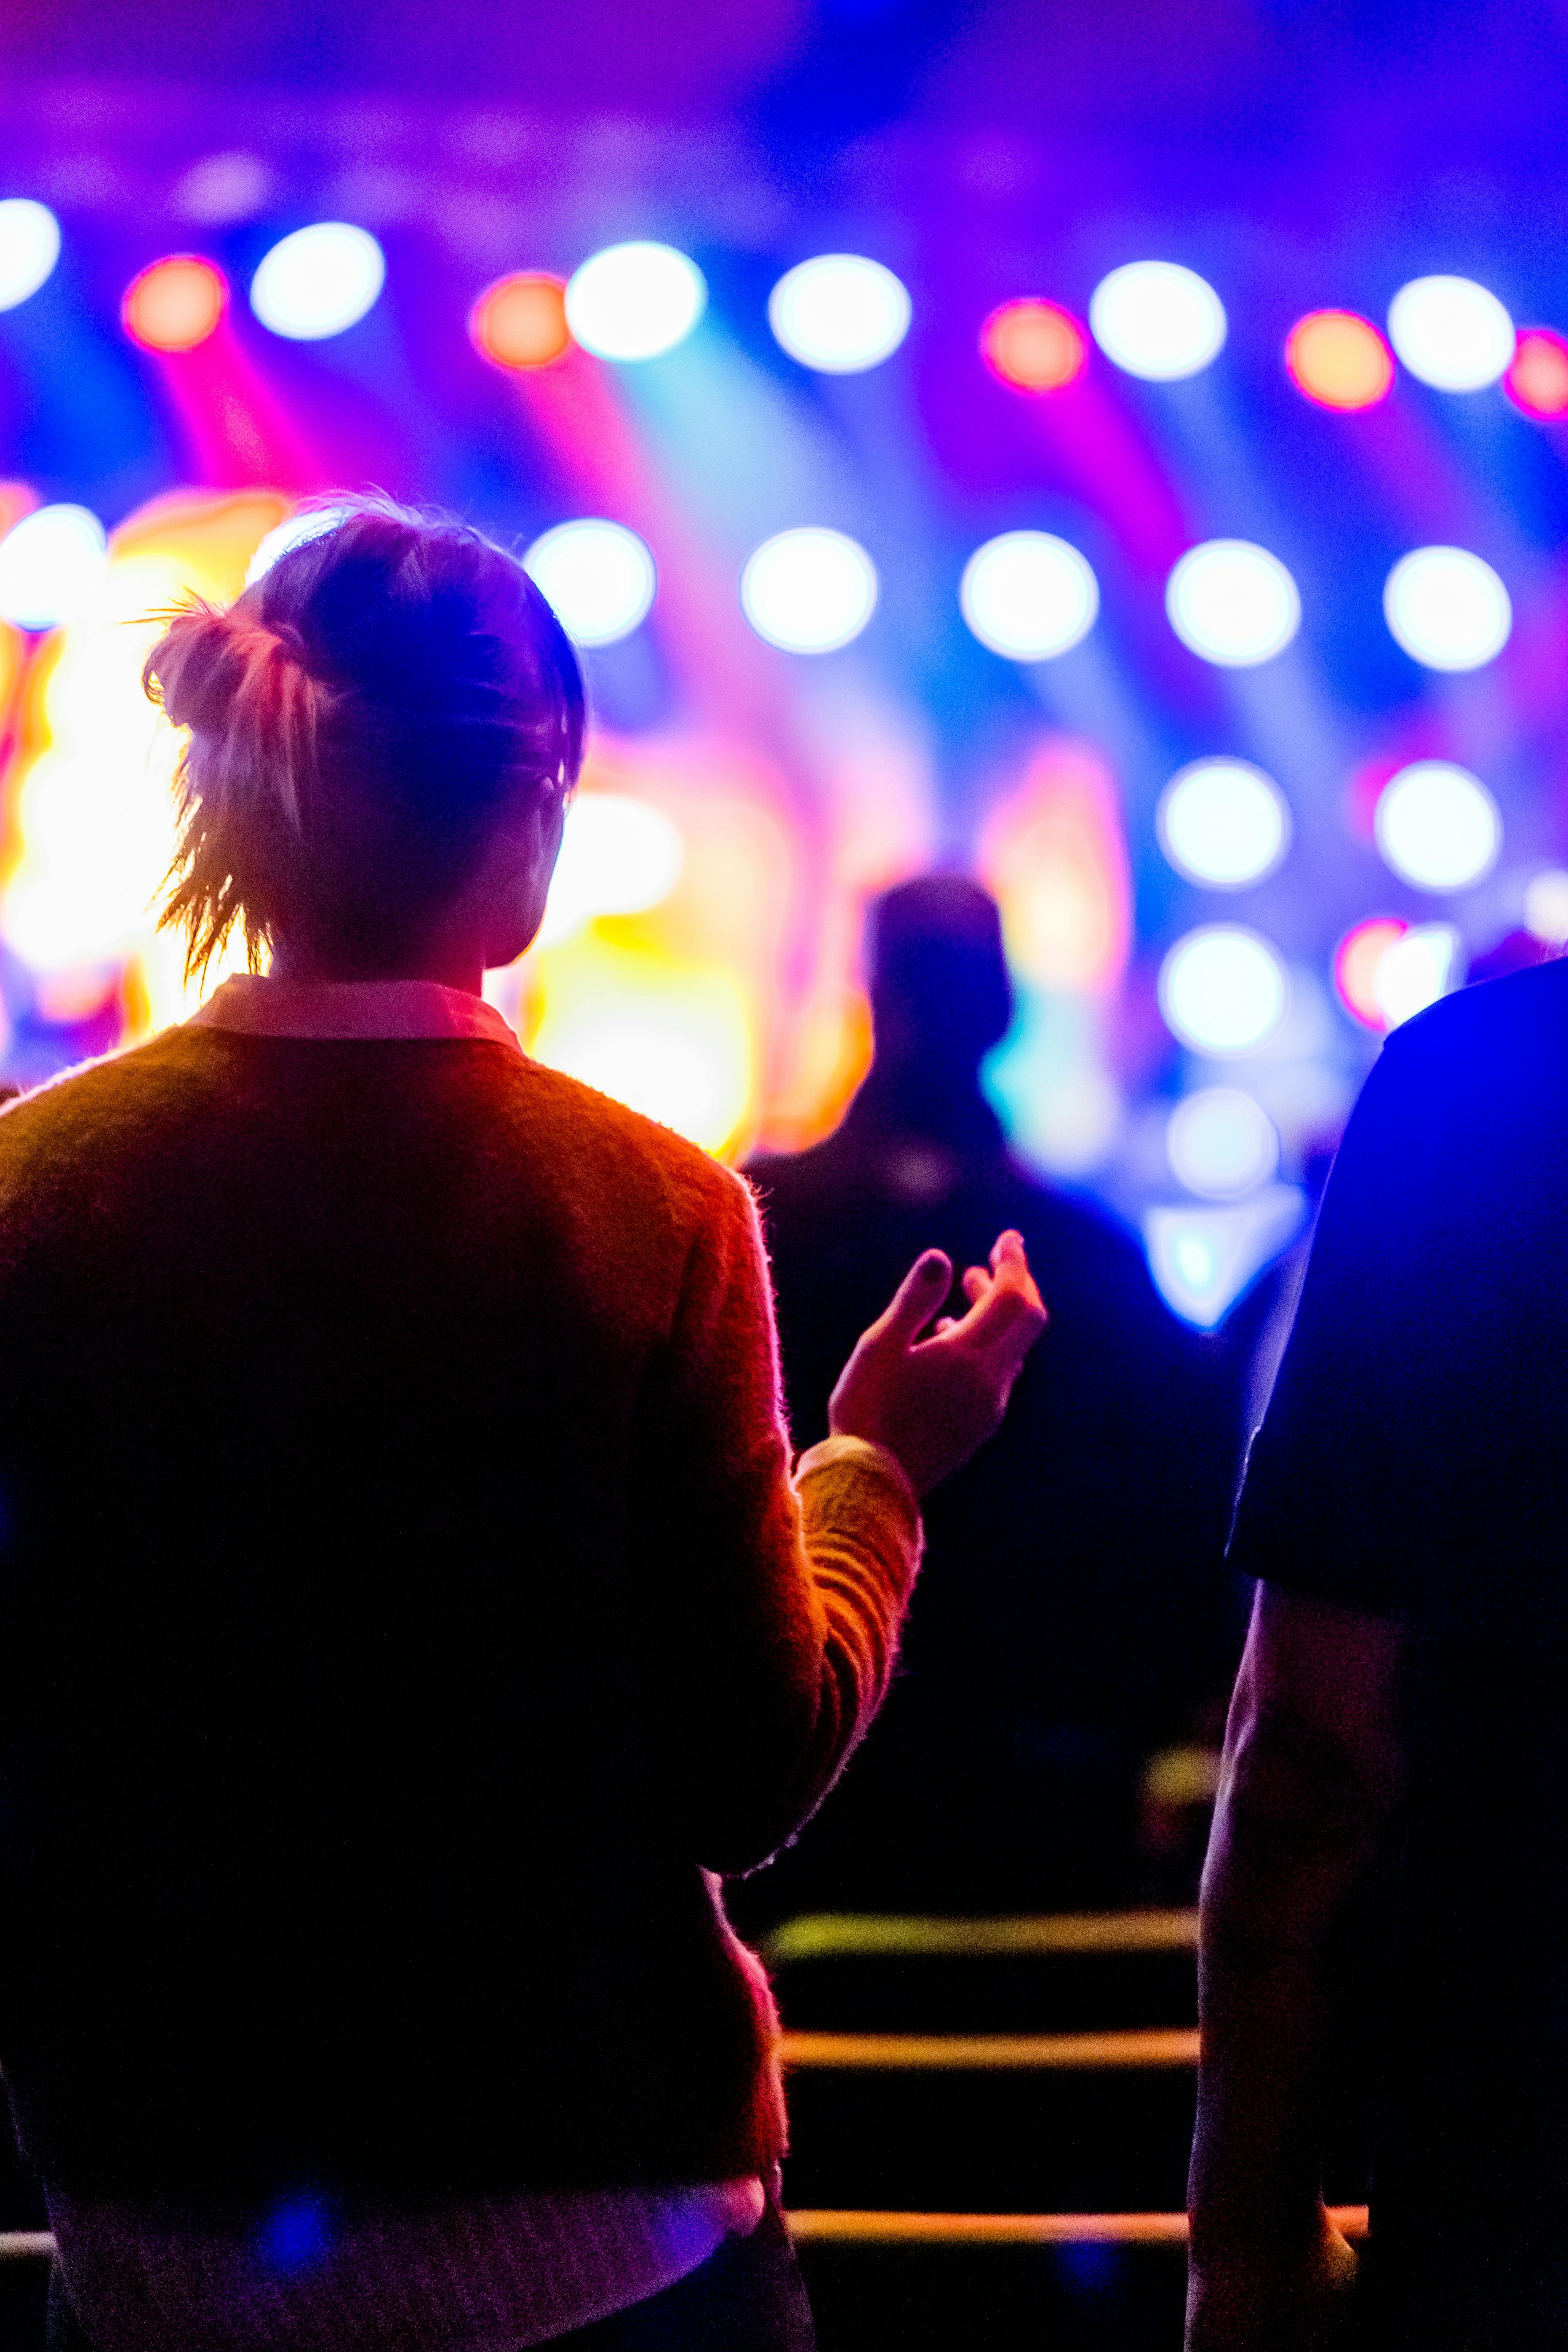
809, 591
1156, 319
1414, 971
1451, 333
317, 282
1223, 990
618, 857
1438, 826
1232, 602
839, 313
1028, 596
1221, 1143
1546, 906
29, 248
1447, 608
636, 301
1222, 823
52, 567
598, 578
294, 530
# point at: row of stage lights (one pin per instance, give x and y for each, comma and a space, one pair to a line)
837, 313
1028, 596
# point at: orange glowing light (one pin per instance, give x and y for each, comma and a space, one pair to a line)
1339, 360
1054, 854
174, 304
1537, 377
1034, 346
521, 320
1356, 961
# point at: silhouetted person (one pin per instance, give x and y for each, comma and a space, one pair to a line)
1074, 1613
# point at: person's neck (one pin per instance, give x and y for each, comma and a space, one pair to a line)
917, 1103
450, 966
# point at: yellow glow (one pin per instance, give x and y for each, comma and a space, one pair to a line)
670, 1040
92, 820
1053, 856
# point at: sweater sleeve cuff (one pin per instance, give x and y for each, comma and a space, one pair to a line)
865, 1454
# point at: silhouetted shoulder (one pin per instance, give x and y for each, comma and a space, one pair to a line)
1503, 1043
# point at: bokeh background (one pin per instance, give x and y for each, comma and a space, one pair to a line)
744, 799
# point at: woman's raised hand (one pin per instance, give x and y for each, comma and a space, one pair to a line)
932, 1401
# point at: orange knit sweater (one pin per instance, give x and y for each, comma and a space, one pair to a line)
408, 1610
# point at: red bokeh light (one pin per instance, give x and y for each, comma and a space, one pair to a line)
1034, 346
521, 320
1356, 961
1537, 377
174, 304
1339, 360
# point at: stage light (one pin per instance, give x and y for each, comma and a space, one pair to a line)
1028, 596
1451, 333
1223, 823
519, 322
319, 281
809, 591
1223, 990
1438, 826
1221, 1143
1156, 319
1233, 603
1446, 608
1357, 962
1537, 375
1339, 360
634, 302
1033, 346
52, 566
1414, 971
618, 857
29, 248
597, 577
297, 530
174, 304
1202, 1259
1546, 907
839, 313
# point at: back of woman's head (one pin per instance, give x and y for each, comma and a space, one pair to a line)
359, 721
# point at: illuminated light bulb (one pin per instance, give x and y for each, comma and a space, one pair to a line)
1358, 959
1221, 1143
1447, 608
839, 313
809, 591
1202, 1259
52, 567
635, 301
1157, 320
317, 282
1438, 826
1536, 379
1223, 990
1451, 333
29, 248
1028, 596
1033, 346
618, 857
1339, 360
596, 577
519, 322
1546, 907
1414, 971
1222, 823
298, 530
174, 304
1233, 603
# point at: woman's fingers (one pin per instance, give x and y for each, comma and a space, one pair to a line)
917, 1298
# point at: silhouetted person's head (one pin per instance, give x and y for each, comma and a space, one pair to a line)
941, 997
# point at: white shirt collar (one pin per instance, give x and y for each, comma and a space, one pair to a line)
260, 1007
